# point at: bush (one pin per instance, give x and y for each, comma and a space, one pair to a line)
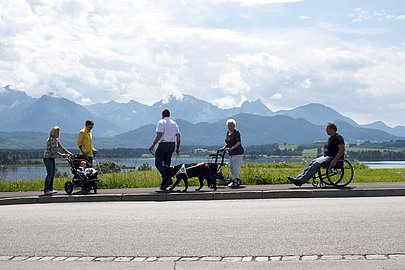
145, 167
58, 174
109, 167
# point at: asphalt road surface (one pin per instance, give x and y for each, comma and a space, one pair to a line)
284, 227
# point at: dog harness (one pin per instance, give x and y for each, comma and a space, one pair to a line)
183, 168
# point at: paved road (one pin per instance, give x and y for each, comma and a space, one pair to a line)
257, 228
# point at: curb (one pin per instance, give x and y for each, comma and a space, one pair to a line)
193, 196
244, 259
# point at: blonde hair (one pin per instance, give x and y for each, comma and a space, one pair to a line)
53, 132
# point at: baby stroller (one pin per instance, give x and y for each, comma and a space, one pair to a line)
86, 179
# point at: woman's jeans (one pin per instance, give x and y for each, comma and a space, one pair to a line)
50, 173
234, 163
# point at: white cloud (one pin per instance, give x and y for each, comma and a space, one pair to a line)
96, 51
231, 83
306, 83
361, 15
225, 102
85, 101
255, 2
261, 60
276, 96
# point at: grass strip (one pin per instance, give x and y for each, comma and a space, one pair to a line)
251, 174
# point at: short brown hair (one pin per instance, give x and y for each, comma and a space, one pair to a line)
332, 126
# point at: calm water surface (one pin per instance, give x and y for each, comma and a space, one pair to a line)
25, 173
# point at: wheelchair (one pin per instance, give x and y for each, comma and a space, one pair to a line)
338, 176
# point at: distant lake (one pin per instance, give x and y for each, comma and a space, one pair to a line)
39, 172
384, 164
31, 172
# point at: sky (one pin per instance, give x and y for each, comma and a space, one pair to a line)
346, 54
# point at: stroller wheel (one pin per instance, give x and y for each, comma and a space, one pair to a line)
88, 189
68, 187
95, 187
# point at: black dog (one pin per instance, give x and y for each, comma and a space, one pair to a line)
201, 170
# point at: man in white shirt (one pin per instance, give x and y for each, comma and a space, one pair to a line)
168, 137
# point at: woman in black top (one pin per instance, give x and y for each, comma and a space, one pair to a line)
235, 150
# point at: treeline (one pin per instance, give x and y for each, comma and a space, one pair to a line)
393, 150
381, 145
34, 156
11, 157
256, 151
376, 155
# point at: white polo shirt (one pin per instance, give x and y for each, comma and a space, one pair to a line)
169, 128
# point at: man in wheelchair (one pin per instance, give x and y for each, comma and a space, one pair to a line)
334, 150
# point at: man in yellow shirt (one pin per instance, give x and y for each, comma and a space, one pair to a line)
85, 140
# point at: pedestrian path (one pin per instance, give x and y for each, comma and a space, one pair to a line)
222, 193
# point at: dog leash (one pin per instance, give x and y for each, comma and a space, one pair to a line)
153, 154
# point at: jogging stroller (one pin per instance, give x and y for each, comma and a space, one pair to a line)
86, 179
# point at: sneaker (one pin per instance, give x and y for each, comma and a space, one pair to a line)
234, 183
50, 192
295, 181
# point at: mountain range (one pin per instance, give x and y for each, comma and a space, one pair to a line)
132, 124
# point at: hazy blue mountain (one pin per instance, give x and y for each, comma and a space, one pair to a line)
23, 140
10, 98
359, 134
378, 125
317, 113
47, 111
133, 114
255, 130
397, 131
126, 116
188, 108
37, 140
19, 112
255, 107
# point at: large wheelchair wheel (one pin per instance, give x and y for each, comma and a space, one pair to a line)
341, 175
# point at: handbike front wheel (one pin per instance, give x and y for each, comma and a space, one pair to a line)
340, 176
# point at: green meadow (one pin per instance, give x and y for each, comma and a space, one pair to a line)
251, 174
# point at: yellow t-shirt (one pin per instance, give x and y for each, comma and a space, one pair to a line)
85, 142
